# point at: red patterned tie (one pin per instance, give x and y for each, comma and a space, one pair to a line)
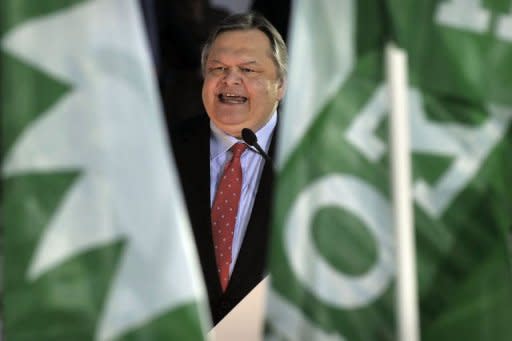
224, 210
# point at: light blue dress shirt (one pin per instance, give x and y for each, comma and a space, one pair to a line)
252, 167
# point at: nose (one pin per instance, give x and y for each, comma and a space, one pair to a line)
232, 76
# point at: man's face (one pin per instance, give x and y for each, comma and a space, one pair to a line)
241, 87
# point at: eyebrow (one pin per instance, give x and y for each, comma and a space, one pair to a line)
215, 61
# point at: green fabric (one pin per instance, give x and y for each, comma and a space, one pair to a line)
67, 301
463, 252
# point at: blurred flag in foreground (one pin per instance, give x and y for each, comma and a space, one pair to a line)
332, 261
97, 242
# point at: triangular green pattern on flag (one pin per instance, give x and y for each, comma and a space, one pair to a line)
179, 324
15, 12
65, 303
29, 92
68, 300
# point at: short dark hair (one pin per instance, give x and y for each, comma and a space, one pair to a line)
249, 21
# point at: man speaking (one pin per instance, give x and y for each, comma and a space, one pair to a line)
227, 183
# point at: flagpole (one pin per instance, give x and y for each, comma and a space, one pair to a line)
407, 301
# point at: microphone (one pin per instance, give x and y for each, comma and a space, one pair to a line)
250, 138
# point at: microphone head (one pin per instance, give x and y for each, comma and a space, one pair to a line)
249, 136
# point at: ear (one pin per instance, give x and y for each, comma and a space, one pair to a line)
281, 89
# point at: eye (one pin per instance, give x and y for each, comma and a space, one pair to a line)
247, 70
216, 69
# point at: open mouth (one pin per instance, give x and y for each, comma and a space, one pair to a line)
228, 98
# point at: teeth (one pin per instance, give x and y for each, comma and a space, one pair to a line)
232, 98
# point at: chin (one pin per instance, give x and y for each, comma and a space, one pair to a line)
231, 129
231, 119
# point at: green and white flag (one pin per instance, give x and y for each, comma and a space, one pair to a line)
97, 243
332, 261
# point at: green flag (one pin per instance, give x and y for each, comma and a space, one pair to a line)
97, 243
461, 113
332, 260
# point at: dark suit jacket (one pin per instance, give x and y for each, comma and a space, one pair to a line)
191, 147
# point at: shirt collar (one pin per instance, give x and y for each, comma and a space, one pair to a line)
220, 142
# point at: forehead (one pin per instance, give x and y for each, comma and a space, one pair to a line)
250, 43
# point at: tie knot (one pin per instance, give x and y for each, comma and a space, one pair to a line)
237, 149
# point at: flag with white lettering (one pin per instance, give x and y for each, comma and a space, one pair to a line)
461, 136
97, 243
332, 260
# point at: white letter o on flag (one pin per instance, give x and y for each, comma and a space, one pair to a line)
327, 283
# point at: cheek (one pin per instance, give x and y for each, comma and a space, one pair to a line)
208, 91
272, 92
261, 90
